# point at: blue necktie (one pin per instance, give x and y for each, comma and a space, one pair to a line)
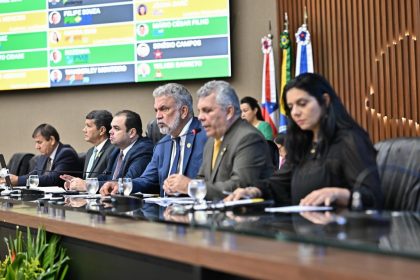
175, 163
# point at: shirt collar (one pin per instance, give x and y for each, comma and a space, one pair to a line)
101, 145
125, 151
184, 130
52, 156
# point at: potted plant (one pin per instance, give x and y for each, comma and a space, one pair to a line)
34, 258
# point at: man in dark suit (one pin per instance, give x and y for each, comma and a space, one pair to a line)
96, 131
134, 151
180, 151
55, 158
236, 154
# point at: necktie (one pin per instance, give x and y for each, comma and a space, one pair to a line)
175, 163
216, 149
118, 167
91, 161
48, 165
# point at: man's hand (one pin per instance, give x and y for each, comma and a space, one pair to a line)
175, 184
78, 184
13, 179
109, 188
239, 193
67, 179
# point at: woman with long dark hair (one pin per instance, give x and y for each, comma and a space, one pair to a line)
329, 156
251, 112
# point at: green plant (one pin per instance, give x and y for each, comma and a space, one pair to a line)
35, 258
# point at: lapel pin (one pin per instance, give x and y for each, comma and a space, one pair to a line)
189, 145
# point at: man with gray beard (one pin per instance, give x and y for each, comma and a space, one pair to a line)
180, 151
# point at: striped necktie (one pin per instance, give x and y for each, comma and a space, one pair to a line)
118, 167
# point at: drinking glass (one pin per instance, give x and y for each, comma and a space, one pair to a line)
197, 190
125, 186
92, 186
33, 181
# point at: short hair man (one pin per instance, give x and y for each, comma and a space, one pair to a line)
236, 154
96, 132
55, 158
134, 151
180, 151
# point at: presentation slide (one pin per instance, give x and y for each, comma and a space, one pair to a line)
56, 43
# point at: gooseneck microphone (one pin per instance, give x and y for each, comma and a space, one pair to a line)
70, 172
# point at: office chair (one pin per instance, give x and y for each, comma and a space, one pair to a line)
274, 153
19, 163
82, 158
399, 169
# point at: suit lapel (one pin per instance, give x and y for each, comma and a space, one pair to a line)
219, 158
223, 148
100, 154
189, 145
166, 157
42, 165
125, 163
57, 155
88, 155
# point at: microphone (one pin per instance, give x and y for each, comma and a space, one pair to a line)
193, 131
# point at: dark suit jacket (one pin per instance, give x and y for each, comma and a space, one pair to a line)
101, 161
135, 161
243, 159
151, 181
66, 161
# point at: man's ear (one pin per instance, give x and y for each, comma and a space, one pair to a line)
184, 112
230, 112
132, 132
102, 130
53, 140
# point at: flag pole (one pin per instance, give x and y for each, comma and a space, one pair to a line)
286, 71
269, 98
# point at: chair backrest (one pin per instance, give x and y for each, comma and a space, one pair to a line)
399, 169
32, 162
153, 131
274, 152
19, 163
82, 158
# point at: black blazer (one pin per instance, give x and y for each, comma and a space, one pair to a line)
66, 161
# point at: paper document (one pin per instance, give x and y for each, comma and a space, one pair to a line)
166, 201
51, 189
98, 195
146, 195
222, 204
297, 209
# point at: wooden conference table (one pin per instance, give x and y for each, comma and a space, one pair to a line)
130, 238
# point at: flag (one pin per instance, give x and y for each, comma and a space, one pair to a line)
286, 72
269, 104
304, 59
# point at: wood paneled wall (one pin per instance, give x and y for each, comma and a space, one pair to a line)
368, 50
